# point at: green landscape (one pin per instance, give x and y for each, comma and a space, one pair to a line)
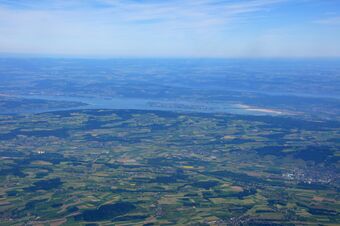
169, 112
139, 167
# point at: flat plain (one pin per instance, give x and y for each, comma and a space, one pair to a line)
132, 167
169, 142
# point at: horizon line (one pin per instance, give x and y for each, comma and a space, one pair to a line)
108, 57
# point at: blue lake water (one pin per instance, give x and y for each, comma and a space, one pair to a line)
151, 104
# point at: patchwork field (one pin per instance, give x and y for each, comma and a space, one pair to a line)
134, 167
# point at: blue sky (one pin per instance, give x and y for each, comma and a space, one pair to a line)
171, 28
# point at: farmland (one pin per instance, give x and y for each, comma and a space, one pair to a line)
141, 167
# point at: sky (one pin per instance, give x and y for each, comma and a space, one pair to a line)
171, 28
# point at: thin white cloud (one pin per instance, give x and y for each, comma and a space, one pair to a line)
335, 20
139, 28
181, 11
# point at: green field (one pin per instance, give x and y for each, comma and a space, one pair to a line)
130, 167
